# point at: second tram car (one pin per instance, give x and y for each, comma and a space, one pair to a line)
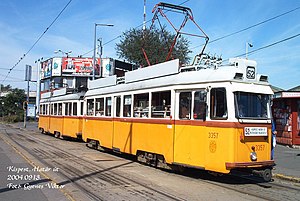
61, 114
208, 116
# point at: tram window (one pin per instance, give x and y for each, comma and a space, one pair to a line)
45, 107
218, 103
161, 104
141, 105
81, 108
251, 105
69, 109
66, 109
46, 111
185, 103
51, 109
118, 106
99, 106
55, 109
41, 109
75, 109
59, 108
200, 105
108, 106
90, 107
127, 106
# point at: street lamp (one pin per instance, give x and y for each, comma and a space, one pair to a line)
94, 57
38, 91
250, 45
63, 52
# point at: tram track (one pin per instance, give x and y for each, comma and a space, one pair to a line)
88, 177
93, 178
253, 186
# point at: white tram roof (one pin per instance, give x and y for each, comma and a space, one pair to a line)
67, 97
169, 74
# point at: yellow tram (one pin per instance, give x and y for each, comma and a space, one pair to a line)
61, 114
208, 115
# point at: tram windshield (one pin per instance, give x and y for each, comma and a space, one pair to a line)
251, 105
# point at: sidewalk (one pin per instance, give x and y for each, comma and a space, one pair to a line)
287, 159
20, 181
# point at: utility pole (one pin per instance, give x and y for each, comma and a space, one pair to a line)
27, 78
144, 22
94, 57
38, 91
250, 45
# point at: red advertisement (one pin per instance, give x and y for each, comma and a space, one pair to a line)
79, 66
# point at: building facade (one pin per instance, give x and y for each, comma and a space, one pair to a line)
286, 114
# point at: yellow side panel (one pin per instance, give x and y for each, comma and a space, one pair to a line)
190, 145
72, 126
100, 130
44, 123
56, 124
122, 138
130, 137
220, 148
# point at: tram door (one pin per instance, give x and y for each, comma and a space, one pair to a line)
190, 127
122, 137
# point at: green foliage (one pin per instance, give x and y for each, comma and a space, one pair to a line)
13, 118
5, 88
156, 43
11, 105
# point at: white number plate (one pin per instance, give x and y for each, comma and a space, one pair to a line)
255, 131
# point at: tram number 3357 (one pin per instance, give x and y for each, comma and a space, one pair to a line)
213, 135
259, 147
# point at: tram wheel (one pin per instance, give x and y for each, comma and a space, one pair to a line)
266, 174
57, 134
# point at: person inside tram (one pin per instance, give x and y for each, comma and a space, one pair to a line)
242, 110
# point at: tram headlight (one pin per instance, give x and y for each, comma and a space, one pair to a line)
253, 156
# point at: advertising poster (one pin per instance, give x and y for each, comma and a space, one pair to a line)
56, 67
31, 110
46, 69
79, 66
107, 67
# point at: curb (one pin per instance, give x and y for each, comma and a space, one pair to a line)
289, 178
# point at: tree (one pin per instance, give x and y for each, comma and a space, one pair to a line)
12, 105
13, 101
5, 88
155, 43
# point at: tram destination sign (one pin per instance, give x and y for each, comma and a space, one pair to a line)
255, 131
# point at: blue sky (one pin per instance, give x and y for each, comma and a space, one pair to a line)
22, 22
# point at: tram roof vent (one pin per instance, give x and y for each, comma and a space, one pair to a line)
238, 76
121, 80
263, 78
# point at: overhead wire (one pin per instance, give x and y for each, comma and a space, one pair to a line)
270, 45
250, 27
40, 37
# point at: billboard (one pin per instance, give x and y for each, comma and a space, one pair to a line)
56, 67
108, 67
46, 69
79, 66
31, 110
